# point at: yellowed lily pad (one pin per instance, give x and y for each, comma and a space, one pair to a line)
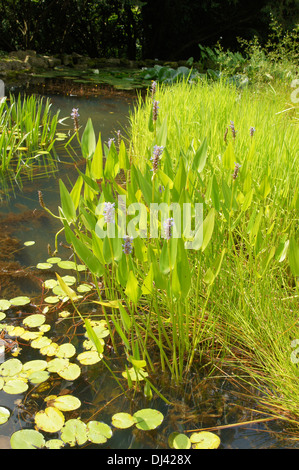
178, 440
15, 386
71, 372
74, 432
27, 439
123, 420
19, 301
34, 320
4, 415
4, 304
64, 402
204, 440
148, 418
98, 432
89, 357
66, 350
10, 367
49, 420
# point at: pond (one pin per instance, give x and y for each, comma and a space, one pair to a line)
213, 401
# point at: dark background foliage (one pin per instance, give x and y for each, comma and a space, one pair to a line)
163, 29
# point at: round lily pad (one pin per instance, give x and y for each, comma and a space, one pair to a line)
35, 365
34, 320
44, 265
50, 283
204, 440
123, 420
15, 386
66, 350
54, 444
4, 415
53, 260
29, 243
71, 372
84, 288
148, 418
52, 299
135, 376
40, 342
2, 316
49, 420
67, 264
98, 432
27, 439
178, 440
65, 402
10, 367
31, 335
89, 357
38, 376
49, 350
57, 364
69, 280
74, 432
19, 301
4, 304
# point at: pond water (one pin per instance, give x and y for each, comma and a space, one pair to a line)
202, 402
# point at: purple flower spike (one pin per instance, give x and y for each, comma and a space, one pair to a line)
109, 212
168, 223
75, 115
156, 157
127, 245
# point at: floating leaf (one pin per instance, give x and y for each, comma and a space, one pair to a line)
54, 444
31, 335
39, 376
84, 288
74, 432
66, 350
204, 440
178, 440
41, 342
49, 420
148, 418
50, 283
44, 328
27, 439
4, 304
71, 372
67, 264
44, 265
10, 367
98, 432
34, 365
123, 420
53, 260
89, 357
29, 243
49, 350
64, 402
15, 386
2, 316
34, 320
52, 299
57, 364
4, 415
18, 301
64, 314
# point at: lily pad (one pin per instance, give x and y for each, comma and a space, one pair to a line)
84, 288
50, 283
66, 264
27, 439
204, 440
98, 432
49, 420
15, 386
148, 418
52, 299
89, 357
2, 316
54, 444
71, 372
64, 402
29, 243
34, 320
69, 280
53, 260
74, 432
4, 304
11, 367
66, 350
44, 265
123, 420
178, 440
49, 350
31, 335
34, 365
39, 376
4, 415
57, 364
41, 342
19, 301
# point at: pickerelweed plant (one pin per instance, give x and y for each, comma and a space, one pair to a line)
160, 290
28, 131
